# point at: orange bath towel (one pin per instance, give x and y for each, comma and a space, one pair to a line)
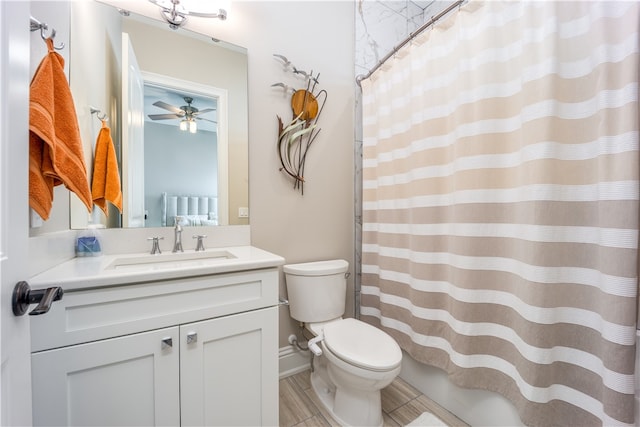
105, 186
55, 148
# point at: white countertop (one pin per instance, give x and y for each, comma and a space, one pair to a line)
90, 272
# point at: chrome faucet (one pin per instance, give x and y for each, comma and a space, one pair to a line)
177, 245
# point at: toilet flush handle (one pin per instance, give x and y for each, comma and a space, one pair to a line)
313, 345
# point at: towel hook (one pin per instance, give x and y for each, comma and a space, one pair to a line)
43, 27
99, 114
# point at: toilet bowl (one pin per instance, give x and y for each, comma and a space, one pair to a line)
354, 360
360, 361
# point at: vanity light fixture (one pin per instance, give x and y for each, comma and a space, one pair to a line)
175, 12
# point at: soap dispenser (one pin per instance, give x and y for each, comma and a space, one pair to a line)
88, 241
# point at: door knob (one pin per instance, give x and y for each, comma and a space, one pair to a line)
192, 337
167, 342
23, 296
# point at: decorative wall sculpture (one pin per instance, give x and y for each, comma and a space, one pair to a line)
296, 137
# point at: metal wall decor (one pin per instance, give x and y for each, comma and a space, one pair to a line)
296, 137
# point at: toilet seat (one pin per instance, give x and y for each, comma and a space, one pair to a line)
362, 345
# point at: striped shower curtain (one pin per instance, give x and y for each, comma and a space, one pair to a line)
500, 204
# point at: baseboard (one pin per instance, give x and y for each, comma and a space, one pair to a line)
292, 361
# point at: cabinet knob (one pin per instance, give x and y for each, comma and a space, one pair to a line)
192, 337
167, 342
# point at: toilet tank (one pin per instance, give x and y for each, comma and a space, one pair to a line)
316, 290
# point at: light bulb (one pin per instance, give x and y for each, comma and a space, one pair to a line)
183, 125
193, 127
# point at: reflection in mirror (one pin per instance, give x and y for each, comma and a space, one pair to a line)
174, 65
181, 135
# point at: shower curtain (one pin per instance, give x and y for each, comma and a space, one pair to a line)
500, 204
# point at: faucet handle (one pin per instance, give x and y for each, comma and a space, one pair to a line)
199, 244
155, 246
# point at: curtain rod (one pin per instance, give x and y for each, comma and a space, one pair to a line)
410, 37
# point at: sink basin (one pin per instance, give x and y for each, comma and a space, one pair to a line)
170, 261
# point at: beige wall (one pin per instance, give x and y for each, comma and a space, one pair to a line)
318, 225
314, 35
318, 36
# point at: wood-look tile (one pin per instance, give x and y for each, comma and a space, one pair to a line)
414, 408
315, 421
303, 379
323, 411
294, 405
387, 421
300, 407
396, 394
408, 412
440, 412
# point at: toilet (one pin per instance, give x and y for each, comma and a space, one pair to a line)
353, 360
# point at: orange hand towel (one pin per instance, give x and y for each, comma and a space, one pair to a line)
106, 178
55, 148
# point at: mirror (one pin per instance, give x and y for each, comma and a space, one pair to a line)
167, 172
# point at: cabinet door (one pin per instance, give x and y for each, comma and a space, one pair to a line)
229, 370
130, 380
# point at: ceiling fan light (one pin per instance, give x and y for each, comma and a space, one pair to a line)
183, 125
193, 127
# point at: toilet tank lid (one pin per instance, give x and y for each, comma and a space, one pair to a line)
317, 268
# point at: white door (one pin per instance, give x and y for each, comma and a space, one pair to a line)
15, 373
126, 381
229, 370
132, 138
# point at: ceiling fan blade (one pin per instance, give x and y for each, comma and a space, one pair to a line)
206, 120
206, 110
164, 116
169, 107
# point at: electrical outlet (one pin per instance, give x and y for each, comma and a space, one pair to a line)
243, 212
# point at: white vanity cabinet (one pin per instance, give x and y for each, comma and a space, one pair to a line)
192, 351
229, 375
122, 381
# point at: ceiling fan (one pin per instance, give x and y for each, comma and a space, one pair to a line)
187, 113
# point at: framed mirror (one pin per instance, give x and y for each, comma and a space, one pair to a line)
161, 170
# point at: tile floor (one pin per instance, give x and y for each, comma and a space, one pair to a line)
401, 404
